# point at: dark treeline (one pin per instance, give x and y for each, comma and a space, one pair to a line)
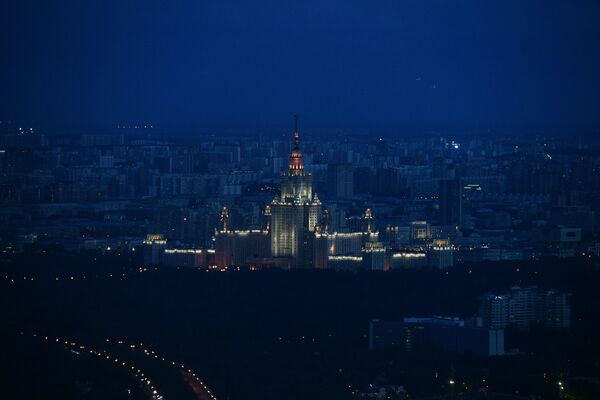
275, 333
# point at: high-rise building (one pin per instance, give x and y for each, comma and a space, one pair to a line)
295, 212
420, 230
450, 202
389, 182
340, 180
526, 307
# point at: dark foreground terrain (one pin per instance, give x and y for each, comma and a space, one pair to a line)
97, 326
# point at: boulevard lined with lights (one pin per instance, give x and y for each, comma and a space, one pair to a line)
198, 386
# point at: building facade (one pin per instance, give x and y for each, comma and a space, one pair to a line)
524, 308
295, 213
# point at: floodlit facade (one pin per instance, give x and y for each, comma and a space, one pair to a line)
329, 248
295, 213
153, 246
235, 248
296, 231
291, 220
441, 254
189, 258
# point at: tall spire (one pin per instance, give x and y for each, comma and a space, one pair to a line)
296, 166
224, 219
296, 133
368, 217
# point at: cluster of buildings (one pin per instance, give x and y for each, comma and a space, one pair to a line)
297, 233
452, 335
518, 309
526, 308
381, 204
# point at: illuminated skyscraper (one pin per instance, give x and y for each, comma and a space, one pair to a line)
295, 212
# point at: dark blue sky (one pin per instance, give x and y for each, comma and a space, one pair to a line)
346, 65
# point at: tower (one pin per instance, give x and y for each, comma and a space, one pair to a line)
368, 220
295, 212
224, 219
340, 179
450, 196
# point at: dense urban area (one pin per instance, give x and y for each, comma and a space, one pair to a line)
292, 265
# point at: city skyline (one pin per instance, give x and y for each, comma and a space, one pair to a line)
447, 254
170, 228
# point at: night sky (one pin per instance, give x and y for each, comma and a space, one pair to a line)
380, 66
